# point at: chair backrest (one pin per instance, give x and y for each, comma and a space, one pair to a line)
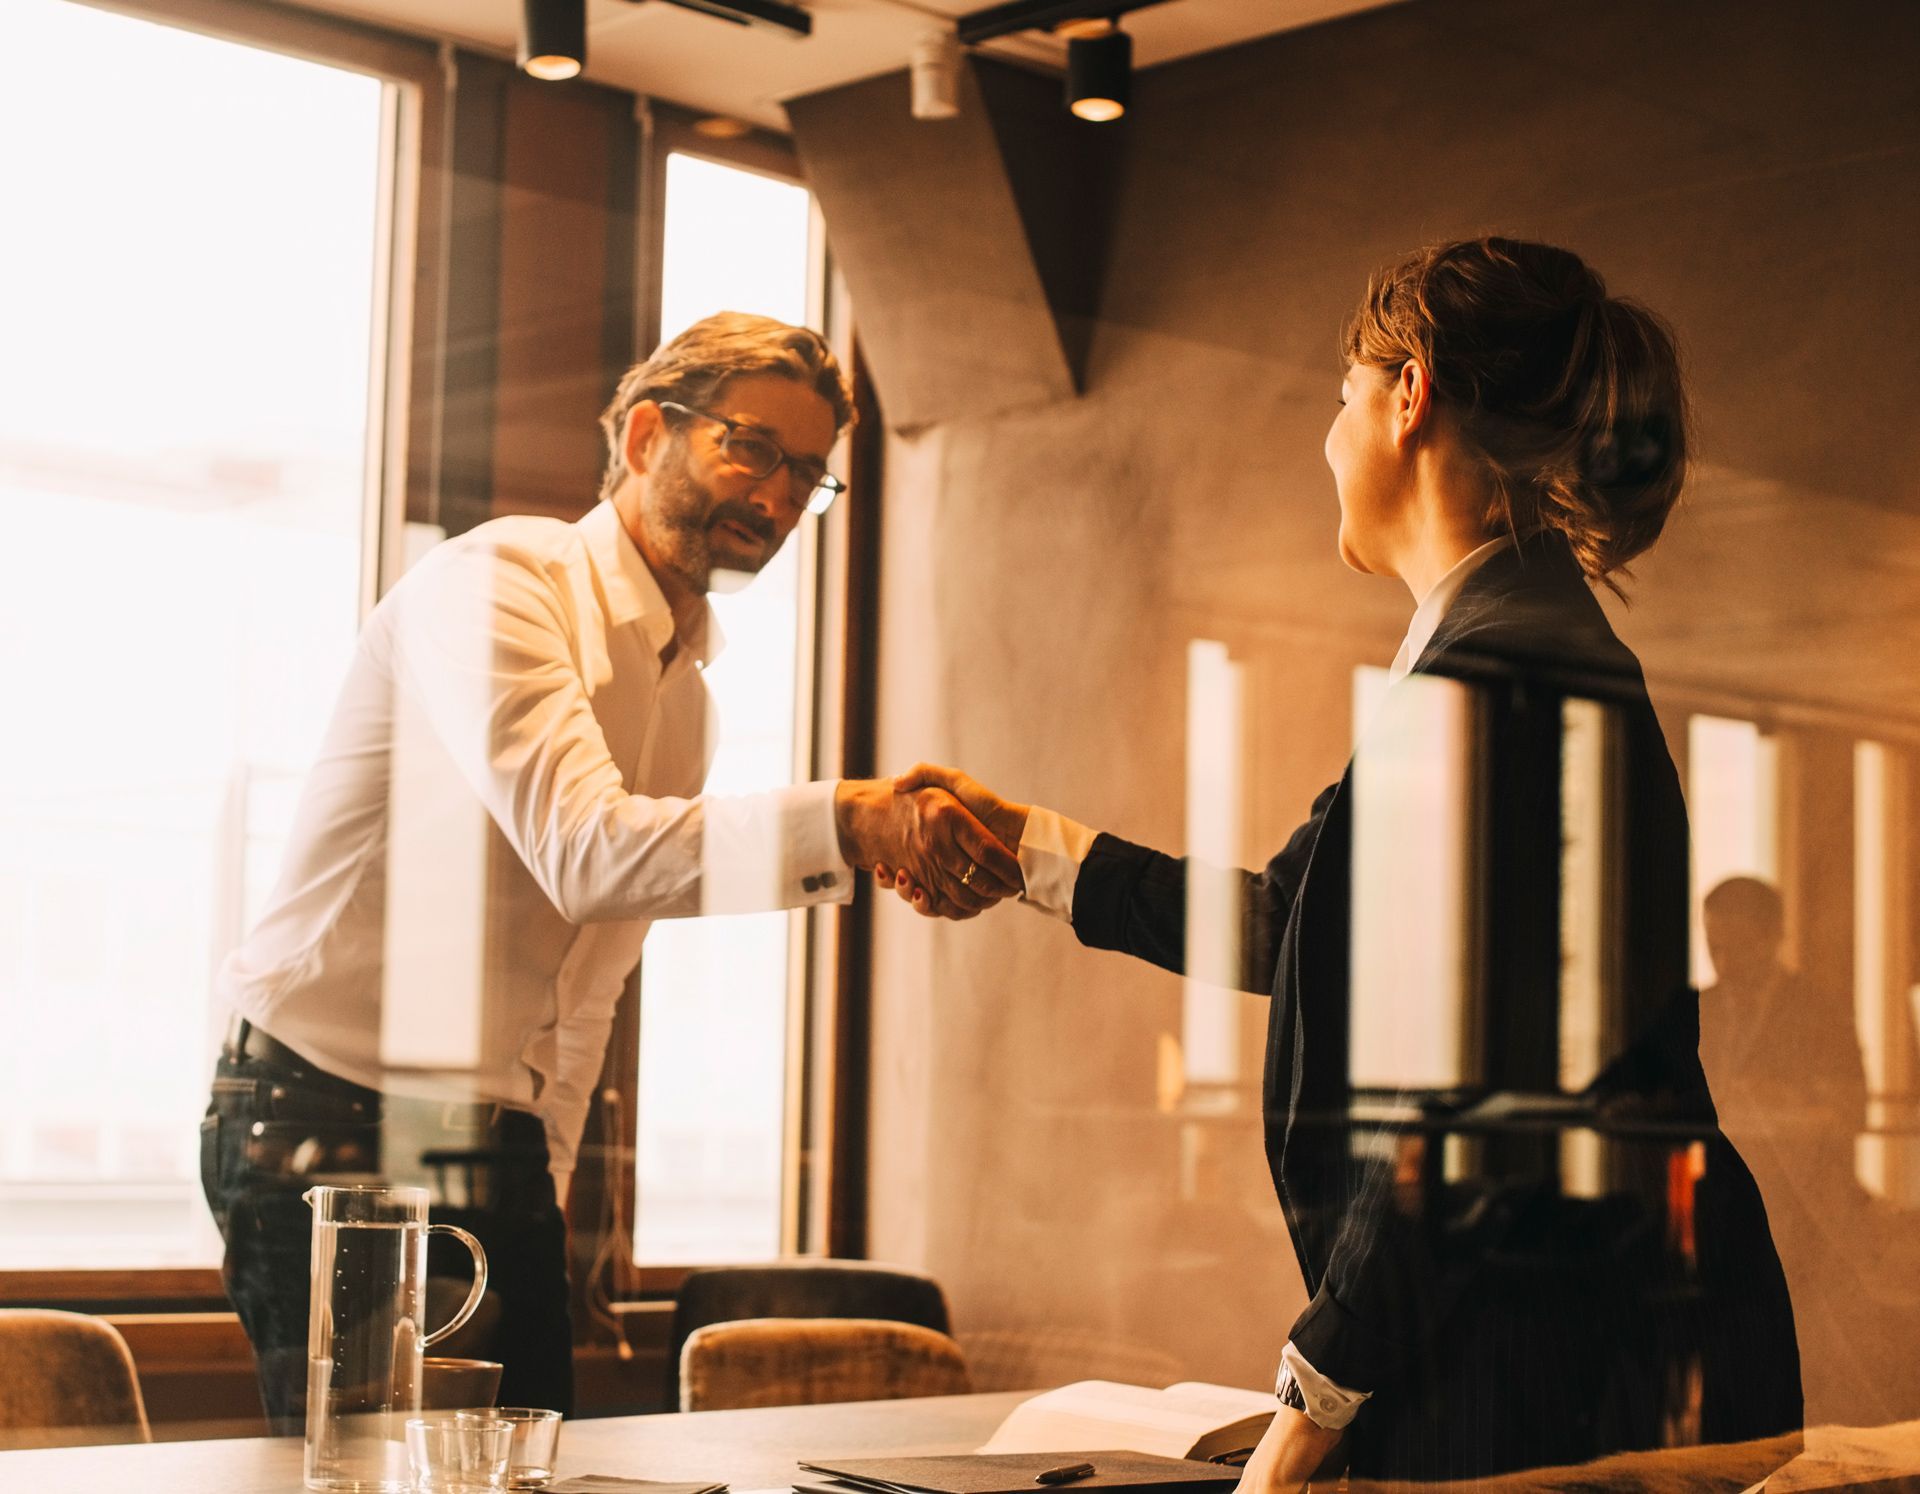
801, 1289
815, 1361
66, 1379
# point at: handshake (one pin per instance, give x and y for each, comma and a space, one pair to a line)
938, 838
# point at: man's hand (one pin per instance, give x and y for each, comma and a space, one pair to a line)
926, 833
1293, 1451
1007, 821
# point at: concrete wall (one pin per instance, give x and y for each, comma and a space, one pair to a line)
1749, 170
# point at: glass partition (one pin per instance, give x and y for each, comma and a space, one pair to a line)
184, 392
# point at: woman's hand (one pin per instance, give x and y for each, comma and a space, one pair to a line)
1005, 819
1293, 1451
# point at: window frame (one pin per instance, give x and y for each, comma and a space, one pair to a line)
406, 280
823, 1190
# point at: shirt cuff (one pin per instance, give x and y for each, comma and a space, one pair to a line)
1051, 850
814, 859
1328, 1404
775, 850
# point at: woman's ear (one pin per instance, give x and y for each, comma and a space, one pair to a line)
1412, 400
644, 424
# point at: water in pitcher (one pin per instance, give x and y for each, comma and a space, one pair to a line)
363, 1363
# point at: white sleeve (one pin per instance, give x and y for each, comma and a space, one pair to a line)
1051, 850
1328, 1403
483, 641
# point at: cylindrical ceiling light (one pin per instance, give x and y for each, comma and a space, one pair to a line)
1099, 75
553, 38
935, 71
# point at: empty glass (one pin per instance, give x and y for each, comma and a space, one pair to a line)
461, 1454
433, 1452
536, 1440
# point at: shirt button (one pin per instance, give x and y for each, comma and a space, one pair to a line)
1326, 1403
810, 884
826, 879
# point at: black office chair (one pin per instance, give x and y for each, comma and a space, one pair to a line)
801, 1289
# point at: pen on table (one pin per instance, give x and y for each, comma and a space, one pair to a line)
1065, 1474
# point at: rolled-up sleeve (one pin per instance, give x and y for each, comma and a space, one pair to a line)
1326, 1402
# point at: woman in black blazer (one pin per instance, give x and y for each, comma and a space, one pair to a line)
1510, 435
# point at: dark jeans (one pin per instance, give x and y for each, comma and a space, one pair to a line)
275, 1129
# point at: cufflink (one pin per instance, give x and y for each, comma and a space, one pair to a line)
827, 879
810, 883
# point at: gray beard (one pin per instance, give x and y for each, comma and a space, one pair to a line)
679, 528
680, 524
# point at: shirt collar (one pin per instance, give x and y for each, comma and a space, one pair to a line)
633, 596
1433, 606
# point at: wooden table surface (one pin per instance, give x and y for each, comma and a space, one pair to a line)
746, 1449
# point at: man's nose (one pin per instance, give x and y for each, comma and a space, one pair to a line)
770, 493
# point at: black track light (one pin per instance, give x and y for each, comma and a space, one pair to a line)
1099, 75
553, 38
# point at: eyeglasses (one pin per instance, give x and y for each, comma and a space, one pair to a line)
754, 452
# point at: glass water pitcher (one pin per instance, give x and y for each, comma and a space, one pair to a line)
365, 1338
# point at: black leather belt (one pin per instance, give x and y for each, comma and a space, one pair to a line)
244, 1040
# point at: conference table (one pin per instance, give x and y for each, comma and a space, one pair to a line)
758, 1450
748, 1450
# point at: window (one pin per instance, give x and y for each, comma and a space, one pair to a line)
184, 396
715, 992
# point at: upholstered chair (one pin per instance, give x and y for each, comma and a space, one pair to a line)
66, 1379
813, 1361
808, 1287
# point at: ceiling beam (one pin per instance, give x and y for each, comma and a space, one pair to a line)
768, 15
1038, 15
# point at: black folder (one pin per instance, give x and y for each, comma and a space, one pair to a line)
1014, 1473
607, 1483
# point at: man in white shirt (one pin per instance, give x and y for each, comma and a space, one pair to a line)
508, 794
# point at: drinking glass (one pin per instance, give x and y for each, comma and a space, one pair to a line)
433, 1452
461, 1454
484, 1444
536, 1440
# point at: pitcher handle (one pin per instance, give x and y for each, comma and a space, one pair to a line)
479, 1281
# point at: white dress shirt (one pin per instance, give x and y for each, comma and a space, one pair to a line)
1433, 606
1053, 847
507, 795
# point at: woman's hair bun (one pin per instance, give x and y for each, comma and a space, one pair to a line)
1571, 397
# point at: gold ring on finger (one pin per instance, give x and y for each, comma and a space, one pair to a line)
967, 880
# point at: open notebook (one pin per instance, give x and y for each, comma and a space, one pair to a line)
1188, 1420
1016, 1473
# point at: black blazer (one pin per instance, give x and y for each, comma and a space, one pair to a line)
1500, 1319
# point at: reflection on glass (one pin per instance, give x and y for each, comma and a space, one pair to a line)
1415, 1022
713, 991
1733, 799
1883, 964
1216, 810
183, 395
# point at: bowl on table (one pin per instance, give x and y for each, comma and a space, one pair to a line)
455, 1384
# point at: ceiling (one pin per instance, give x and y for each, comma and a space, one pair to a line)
712, 66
